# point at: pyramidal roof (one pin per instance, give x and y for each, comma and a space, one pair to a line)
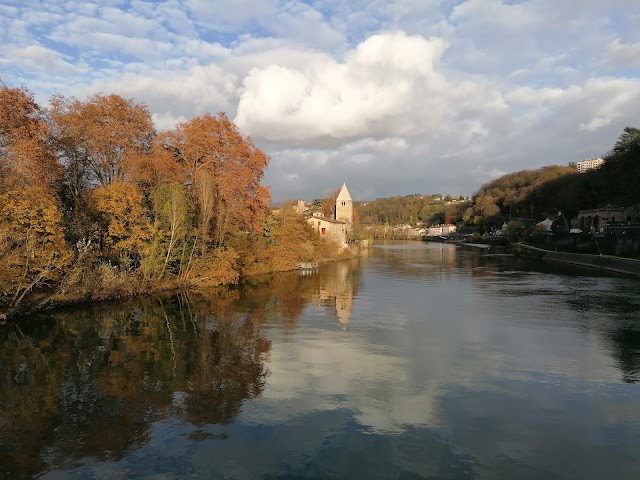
344, 194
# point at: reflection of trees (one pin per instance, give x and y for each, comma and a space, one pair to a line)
625, 343
415, 259
275, 297
89, 383
282, 297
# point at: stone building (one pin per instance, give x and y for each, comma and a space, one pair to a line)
344, 206
594, 220
329, 227
335, 228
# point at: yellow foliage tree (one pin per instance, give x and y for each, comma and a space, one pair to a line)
33, 251
121, 206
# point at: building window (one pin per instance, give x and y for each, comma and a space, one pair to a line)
324, 230
344, 203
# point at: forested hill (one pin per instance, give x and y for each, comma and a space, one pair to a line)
511, 194
542, 192
410, 209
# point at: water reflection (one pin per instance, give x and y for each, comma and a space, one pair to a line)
335, 286
418, 362
90, 382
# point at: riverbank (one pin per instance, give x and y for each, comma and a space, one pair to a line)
607, 263
112, 284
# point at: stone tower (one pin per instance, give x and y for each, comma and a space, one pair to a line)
344, 206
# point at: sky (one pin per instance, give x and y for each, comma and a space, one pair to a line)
392, 97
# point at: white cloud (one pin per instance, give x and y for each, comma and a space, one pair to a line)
389, 85
36, 58
624, 54
393, 96
174, 95
221, 15
594, 124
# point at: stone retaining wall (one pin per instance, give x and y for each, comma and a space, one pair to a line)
601, 262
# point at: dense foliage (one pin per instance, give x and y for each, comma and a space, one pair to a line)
411, 209
511, 194
97, 204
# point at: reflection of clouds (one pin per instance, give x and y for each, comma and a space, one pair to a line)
376, 383
453, 375
412, 338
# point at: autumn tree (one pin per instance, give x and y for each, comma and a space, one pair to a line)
154, 168
224, 169
96, 137
328, 206
33, 251
173, 219
25, 152
126, 226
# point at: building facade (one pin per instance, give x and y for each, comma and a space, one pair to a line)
344, 206
329, 228
438, 230
591, 164
337, 228
594, 220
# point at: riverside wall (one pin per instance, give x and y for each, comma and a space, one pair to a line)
606, 263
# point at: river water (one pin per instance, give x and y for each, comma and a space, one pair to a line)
415, 361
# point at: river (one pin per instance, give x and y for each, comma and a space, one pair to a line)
415, 361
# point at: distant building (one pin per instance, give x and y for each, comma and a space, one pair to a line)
595, 219
335, 228
330, 228
546, 224
591, 164
344, 206
438, 230
300, 207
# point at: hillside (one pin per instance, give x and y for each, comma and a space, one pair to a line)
538, 193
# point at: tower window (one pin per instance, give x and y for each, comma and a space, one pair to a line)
344, 203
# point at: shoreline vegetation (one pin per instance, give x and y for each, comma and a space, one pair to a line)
96, 204
539, 207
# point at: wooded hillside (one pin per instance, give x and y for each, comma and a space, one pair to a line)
545, 191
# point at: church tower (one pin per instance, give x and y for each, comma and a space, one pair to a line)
344, 206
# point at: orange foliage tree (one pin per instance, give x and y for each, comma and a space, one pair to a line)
225, 170
24, 147
172, 210
97, 136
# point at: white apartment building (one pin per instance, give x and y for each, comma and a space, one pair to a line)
591, 164
440, 230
